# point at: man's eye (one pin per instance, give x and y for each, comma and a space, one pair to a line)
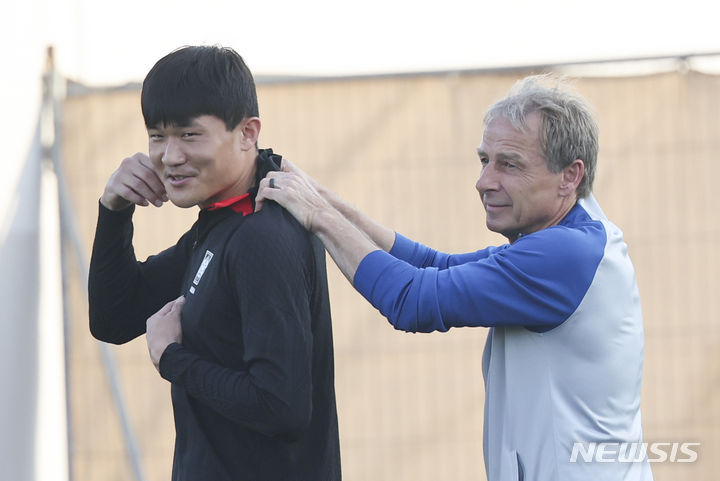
155, 136
189, 134
484, 161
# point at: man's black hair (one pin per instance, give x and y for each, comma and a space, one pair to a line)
199, 80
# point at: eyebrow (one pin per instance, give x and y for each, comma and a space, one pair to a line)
510, 156
502, 155
191, 123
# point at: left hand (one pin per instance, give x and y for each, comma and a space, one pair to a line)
164, 328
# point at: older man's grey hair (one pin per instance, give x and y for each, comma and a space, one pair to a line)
568, 130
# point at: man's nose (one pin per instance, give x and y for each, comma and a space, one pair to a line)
173, 154
488, 179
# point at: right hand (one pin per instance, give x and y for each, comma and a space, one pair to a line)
134, 182
163, 328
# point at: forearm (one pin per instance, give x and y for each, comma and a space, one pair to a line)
510, 286
380, 235
122, 292
112, 278
344, 241
240, 395
419, 255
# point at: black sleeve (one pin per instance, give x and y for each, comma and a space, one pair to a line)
271, 282
123, 292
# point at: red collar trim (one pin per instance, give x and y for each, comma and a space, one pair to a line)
241, 204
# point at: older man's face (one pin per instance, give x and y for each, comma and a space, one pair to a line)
520, 194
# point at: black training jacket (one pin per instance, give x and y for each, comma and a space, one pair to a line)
253, 381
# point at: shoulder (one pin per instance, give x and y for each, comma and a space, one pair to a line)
564, 239
274, 220
569, 248
271, 231
578, 231
270, 246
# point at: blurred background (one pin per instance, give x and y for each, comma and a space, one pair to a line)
383, 102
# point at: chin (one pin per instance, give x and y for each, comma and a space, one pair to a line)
495, 227
505, 231
183, 203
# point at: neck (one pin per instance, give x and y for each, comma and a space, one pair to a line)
565, 208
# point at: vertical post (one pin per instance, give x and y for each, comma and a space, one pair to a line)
71, 241
51, 441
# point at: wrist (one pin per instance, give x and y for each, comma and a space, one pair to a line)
164, 365
330, 197
325, 219
114, 203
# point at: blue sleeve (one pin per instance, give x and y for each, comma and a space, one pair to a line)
419, 255
538, 282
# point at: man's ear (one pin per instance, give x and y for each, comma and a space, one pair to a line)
571, 177
251, 132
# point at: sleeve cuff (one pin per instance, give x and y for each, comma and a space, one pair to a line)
174, 361
382, 279
369, 270
406, 295
403, 247
104, 212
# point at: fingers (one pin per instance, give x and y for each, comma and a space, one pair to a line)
178, 304
275, 186
163, 328
287, 166
134, 182
173, 305
294, 193
166, 308
265, 191
139, 183
151, 185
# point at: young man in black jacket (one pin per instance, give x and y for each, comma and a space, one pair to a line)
236, 314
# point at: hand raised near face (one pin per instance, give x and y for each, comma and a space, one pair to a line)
134, 182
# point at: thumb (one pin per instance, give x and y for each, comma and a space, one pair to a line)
178, 303
258, 203
167, 308
286, 165
260, 197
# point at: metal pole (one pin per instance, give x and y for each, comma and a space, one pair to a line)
71, 236
52, 449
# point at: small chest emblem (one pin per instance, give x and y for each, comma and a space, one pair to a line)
201, 270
